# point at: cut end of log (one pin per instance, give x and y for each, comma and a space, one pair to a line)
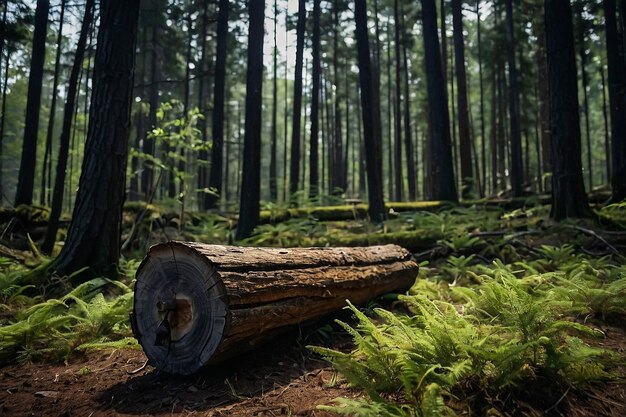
180, 311
197, 304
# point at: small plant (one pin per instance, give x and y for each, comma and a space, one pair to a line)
493, 338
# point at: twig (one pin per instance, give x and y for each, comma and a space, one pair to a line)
141, 368
142, 214
558, 402
595, 235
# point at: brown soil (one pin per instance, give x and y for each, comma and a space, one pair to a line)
281, 379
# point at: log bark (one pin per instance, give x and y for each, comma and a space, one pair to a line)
198, 304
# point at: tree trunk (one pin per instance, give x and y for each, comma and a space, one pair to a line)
582, 51
294, 171
516, 169
569, 198
617, 101
2, 115
408, 141
93, 237
46, 169
315, 96
483, 139
203, 156
390, 147
148, 184
467, 175
26, 176
605, 118
542, 87
64, 141
249, 206
338, 180
140, 76
217, 152
443, 186
398, 177
218, 301
370, 114
182, 163
273, 143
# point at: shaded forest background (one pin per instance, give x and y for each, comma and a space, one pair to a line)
189, 122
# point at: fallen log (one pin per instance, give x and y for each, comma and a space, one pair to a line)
197, 304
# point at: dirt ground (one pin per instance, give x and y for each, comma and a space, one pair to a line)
283, 378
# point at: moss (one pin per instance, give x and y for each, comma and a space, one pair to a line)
414, 240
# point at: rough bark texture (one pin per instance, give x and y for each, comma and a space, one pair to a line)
94, 235
249, 205
569, 198
26, 178
197, 304
370, 114
443, 186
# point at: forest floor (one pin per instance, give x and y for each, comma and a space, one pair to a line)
283, 378
56, 357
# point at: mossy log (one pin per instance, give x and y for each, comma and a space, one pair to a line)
197, 304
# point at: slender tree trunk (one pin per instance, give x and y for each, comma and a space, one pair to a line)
273, 143
203, 155
370, 104
398, 176
542, 86
338, 179
64, 140
569, 198
483, 140
134, 192
408, 141
294, 172
3, 113
155, 78
26, 177
390, 143
467, 175
315, 95
5, 12
441, 174
94, 235
182, 165
349, 146
46, 169
585, 83
249, 206
217, 152
362, 182
605, 118
517, 168
617, 100
493, 133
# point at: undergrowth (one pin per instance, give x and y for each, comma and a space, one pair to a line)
513, 326
93, 315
